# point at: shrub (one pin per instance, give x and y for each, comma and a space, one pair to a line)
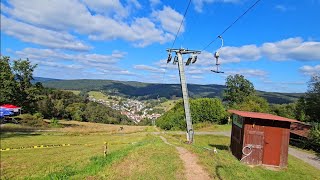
31, 120
315, 136
202, 110
54, 123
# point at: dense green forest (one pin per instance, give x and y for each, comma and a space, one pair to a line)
145, 91
17, 88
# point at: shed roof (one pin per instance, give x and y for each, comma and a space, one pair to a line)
261, 116
300, 129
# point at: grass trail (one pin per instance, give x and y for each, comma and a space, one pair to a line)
224, 166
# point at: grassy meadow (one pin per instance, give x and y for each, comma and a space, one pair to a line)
82, 157
134, 152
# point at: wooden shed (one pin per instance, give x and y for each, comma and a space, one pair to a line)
260, 138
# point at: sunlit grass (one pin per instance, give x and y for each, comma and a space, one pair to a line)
209, 127
98, 95
74, 91
224, 165
167, 105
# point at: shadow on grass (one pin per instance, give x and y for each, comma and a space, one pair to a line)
4, 135
219, 146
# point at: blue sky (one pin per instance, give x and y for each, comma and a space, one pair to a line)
276, 45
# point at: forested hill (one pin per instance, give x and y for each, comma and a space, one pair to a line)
151, 91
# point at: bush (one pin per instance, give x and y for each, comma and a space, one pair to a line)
31, 120
315, 136
55, 123
202, 110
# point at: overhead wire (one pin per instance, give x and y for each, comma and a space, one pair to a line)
225, 30
176, 36
184, 15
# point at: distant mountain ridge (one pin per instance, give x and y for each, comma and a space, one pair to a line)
133, 89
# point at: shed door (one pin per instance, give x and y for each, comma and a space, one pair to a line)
272, 146
256, 140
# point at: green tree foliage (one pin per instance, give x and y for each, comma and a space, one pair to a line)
75, 111
202, 110
313, 99
284, 110
237, 89
240, 94
96, 112
8, 84
252, 103
16, 87
314, 136
300, 111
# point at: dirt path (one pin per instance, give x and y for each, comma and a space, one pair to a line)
311, 159
192, 169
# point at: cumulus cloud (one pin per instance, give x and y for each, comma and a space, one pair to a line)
287, 49
44, 37
170, 19
310, 70
74, 17
109, 8
78, 63
292, 49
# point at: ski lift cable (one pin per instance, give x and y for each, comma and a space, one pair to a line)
184, 15
244, 13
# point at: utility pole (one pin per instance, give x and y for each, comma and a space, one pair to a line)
179, 59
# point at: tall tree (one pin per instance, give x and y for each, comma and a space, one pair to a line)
26, 92
313, 99
237, 89
7, 82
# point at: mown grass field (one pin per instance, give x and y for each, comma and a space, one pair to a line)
129, 149
134, 152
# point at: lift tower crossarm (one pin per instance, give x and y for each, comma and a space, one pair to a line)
179, 53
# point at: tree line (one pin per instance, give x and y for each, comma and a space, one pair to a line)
240, 94
17, 88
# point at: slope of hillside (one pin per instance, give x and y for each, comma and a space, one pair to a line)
132, 89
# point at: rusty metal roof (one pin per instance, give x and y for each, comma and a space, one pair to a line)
300, 129
261, 116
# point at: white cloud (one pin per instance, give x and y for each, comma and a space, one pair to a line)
73, 17
198, 4
287, 49
292, 49
44, 37
247, 72
54, 55
109, 8
170, 19
310, 70
148, 68
154, 2
95, 65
